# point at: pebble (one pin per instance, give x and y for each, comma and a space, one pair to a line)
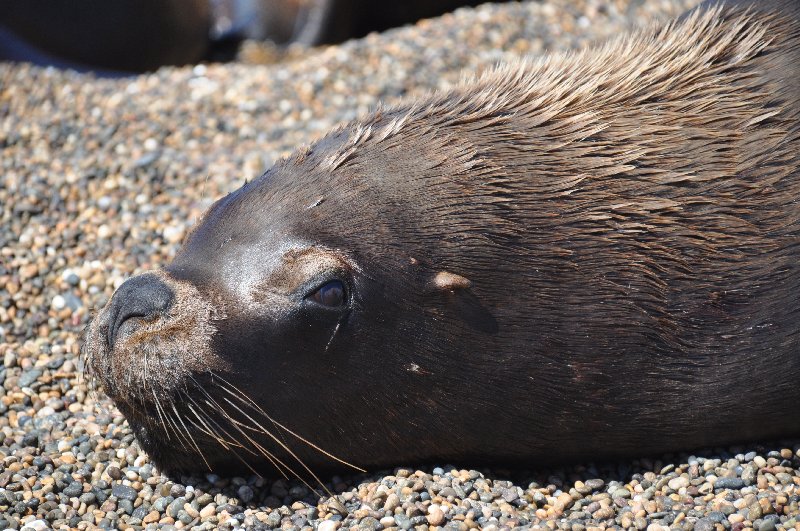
436, 516
678, 483
124, 492
28, 378
73, 490
36, 525
100, 178
729, 483
245, 493
59, 303
328, 525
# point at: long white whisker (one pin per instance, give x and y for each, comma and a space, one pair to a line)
264, 452
190, 436
243, 397
161, 414
286, 448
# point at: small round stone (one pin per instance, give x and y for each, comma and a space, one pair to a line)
73, 490
678, 483
59, 303
435, 515
328, 525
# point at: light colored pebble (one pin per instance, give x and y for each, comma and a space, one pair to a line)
328, 525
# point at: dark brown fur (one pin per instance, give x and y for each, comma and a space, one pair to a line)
587, 255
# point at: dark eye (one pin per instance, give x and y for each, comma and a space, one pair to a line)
330, 294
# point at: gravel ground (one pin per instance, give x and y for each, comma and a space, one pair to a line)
100, 180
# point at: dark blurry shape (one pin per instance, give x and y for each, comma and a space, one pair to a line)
110, 35
125, 36
315, 22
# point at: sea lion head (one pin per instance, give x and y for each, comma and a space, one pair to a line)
290, 328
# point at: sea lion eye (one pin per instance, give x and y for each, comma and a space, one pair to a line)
330, 294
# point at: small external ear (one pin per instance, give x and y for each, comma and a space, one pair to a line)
460, 302
447, 281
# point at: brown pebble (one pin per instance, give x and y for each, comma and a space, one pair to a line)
603, 513
563, 502
361, 513
766, 506
735, 518
191, 511
208, 510
391, 503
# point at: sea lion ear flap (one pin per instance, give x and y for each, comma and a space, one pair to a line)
461, 303
447, 281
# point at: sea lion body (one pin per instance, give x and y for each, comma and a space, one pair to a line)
590, 255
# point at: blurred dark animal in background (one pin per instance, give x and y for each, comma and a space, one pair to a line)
127, 36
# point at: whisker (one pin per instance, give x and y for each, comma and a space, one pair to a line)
266, 453
233, 444
242, 396
189, 434
263, 451
160, 416
287, 449
206, 429
181, 438
246, 400
269, 455
231, 440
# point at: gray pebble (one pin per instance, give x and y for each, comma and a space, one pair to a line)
123, 492
245, 494
27, 378
125, 506
595, 484
728, 483
73, 490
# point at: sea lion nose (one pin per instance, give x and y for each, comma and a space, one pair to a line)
141, 296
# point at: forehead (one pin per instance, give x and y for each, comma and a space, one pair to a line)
264, 210
282, 265
280, 222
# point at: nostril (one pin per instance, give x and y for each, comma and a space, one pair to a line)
141, 296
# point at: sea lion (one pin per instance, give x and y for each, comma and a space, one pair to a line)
588, 255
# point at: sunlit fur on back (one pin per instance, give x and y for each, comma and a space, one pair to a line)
623, 227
